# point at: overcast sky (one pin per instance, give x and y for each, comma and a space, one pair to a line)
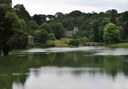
66, 6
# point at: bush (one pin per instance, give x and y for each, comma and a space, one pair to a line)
49, 44
83, 40
38, 44
51, 36
74, 42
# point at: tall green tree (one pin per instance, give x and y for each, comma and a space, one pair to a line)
123, 22
95, 27
112, 14
22, 12
57, 29
41, 36
7, 20
111, 33
39, 18
19, 38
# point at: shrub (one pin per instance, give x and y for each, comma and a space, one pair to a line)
49, 44
51, 36
74, 42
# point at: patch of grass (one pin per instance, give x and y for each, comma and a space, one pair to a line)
66, 40
49, 43
62, 42
117, 45
59, 43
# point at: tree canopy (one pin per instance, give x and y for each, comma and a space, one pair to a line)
16, 24
111, 33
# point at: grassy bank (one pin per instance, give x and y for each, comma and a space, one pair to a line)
118, 45
62, 42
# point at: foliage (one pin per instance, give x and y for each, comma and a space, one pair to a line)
31, 26
74, 42
49, 44
51, 36
112, 14
58, 29
8, 2
41, 36
111, 33
83, 40
118, 45
75, 13
60, 43
16, 23
18, 40
21, 12
123, 23
47, 27
39, 19
7, 24
95, 27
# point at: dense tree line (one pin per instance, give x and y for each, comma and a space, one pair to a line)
108, 27
16, 24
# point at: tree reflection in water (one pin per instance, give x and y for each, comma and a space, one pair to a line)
15, 69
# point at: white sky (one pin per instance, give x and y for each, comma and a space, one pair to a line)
66, 6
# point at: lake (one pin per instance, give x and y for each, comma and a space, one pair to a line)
65, 68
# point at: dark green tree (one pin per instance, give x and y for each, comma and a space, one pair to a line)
95, 27
50, 17
59, 16
112, 14
32, 26
47, 27
39, 18
75, 13
74, 42
123, 22
22, 12
41, 36
57, 29
7, 22
8, 2
19, 38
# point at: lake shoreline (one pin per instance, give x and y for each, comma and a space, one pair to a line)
118, 45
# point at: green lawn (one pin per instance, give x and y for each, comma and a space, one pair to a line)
125, 45
62, 42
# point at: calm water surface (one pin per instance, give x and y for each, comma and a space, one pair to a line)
65, 68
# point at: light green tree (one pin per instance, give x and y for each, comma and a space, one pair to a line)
111, 33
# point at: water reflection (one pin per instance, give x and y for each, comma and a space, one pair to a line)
68, 78
63, 70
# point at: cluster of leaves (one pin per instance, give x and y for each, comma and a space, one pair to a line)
111, 33
12, 29
74, 42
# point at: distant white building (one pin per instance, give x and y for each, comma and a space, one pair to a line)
71, 33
